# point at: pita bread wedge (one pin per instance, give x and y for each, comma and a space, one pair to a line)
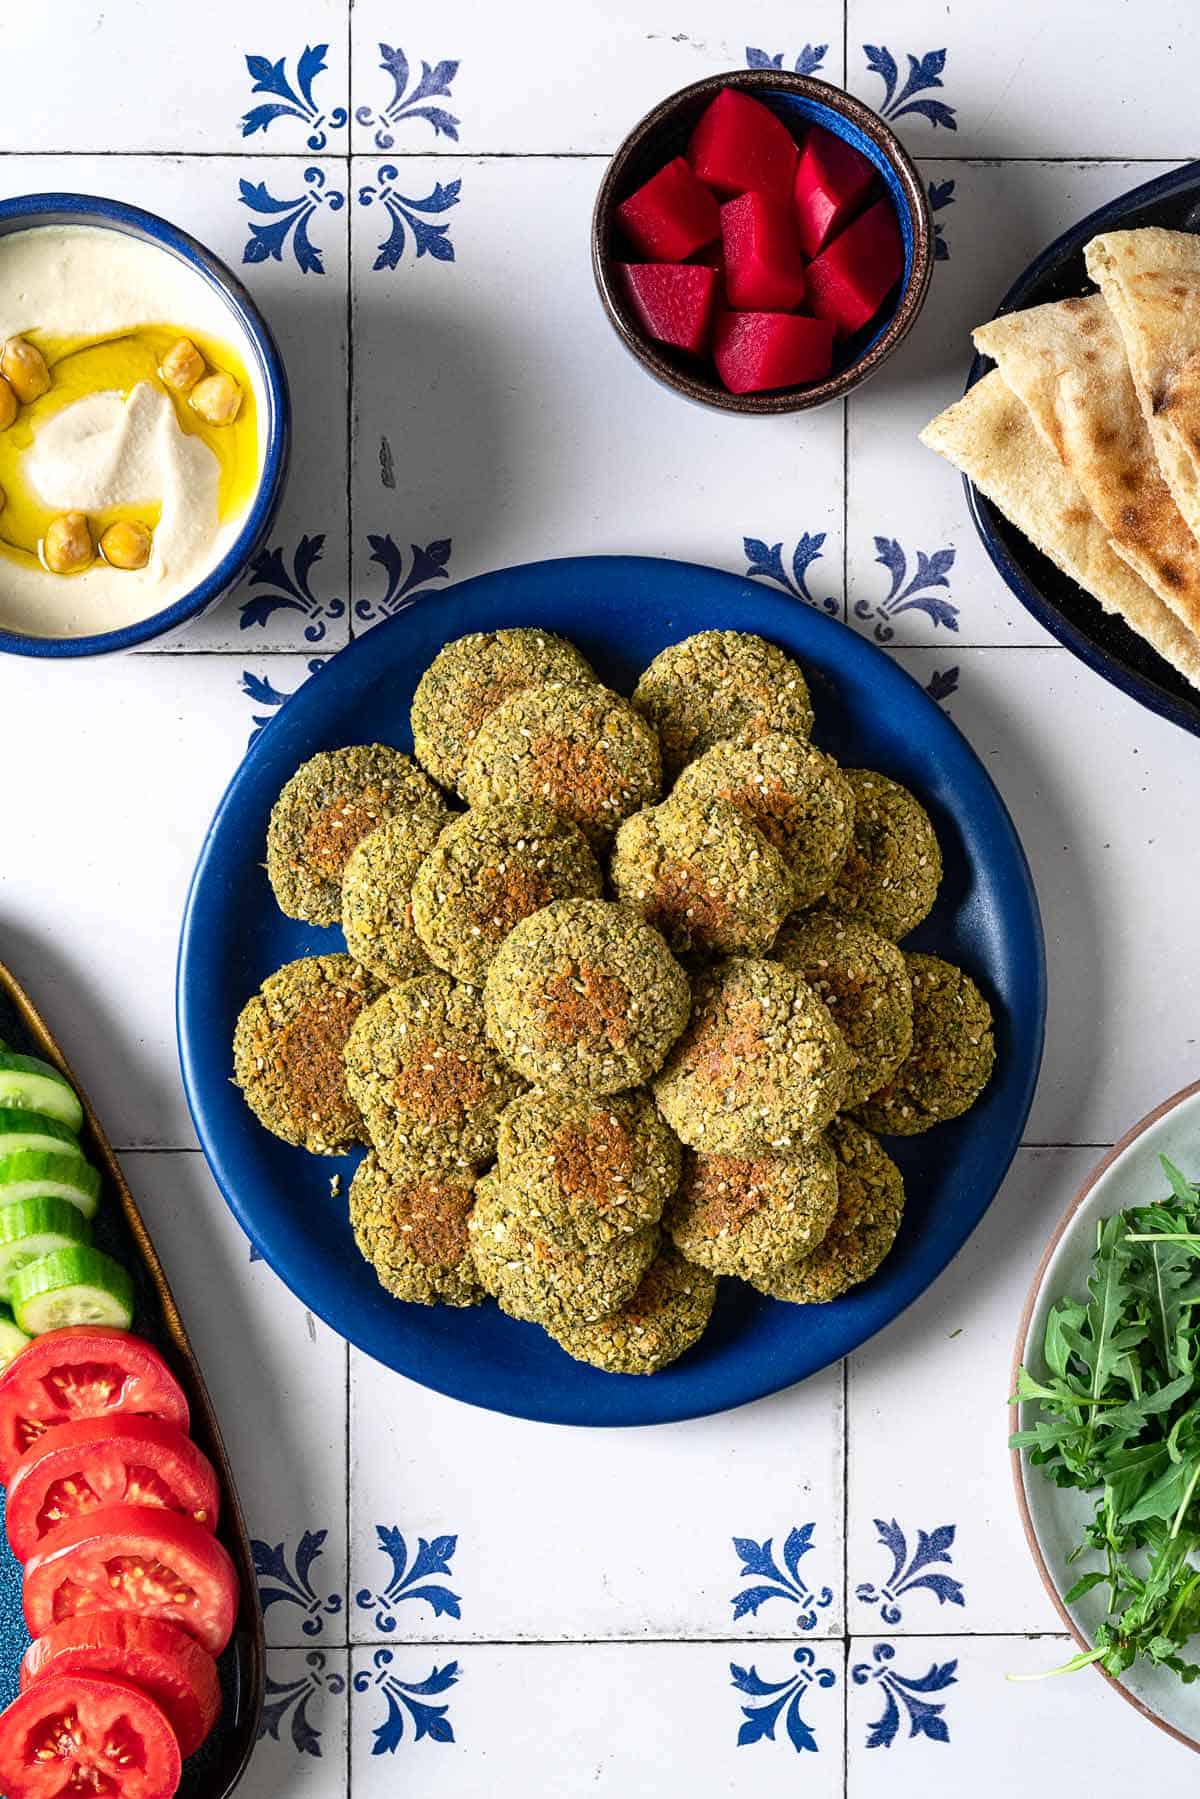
1066, 362
989, 435
1151, 281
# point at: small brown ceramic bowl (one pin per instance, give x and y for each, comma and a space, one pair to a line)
799, 100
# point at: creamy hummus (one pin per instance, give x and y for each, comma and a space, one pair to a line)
110, 439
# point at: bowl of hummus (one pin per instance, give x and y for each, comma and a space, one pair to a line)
144, 426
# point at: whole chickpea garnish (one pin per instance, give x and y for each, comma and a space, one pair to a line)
24, 368
67, 546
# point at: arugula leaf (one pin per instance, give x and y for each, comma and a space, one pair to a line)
1117, 1414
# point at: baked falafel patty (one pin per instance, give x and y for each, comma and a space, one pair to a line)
469, 678
411, 1225
585, 1169
491, 868
287, 1052
792, 792
869, 1211
894, 868
585, 997
665, 1317
377, 912
578, 748
950, 1063
550, 1283
721, 684
761, 1068
425, 1077
700, 872
330, 804
864, 981
753, 1215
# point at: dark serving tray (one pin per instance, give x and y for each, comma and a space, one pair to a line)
215, 1770
1101, 639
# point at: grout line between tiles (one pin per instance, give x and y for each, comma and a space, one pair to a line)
1110, 159
1033, 1635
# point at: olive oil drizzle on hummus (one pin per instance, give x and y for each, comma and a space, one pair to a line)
83, 366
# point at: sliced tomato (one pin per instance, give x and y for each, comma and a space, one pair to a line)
159, 1658
97, 1462
130, 1558
88, 1737
86, 1371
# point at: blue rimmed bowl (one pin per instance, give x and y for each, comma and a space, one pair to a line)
799, 100
253, 334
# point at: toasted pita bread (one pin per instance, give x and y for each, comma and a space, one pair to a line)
1066, 362
990, 436
1151, 281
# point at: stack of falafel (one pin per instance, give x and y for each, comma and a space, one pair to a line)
590, 1107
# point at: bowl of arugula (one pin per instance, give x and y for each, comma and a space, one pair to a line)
1106, 1388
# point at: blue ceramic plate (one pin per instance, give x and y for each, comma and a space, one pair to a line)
621, 611
1101, 639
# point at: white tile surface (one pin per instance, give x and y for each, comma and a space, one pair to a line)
1034, 79
285, 1428
584, 1534
89, 914
633, 1722
515, 422
1003, 1739
949, 1357
524, 84
133, 75
302, 1747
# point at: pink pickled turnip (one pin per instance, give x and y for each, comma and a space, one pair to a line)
738, 144
852, 277
671, 216
764, 271
673, 301
832, 180
755, 351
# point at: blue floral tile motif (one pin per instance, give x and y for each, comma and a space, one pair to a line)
942, 683
263, 692
294, 1696
407, 1703
909, 594
407, 104
780, 1697
292, 101
907, 1575
411, 1581
941, 195
807, 63
281, 1582
290, 590
766, 561
403, 588
924, 1715
923, 73
409, 216
287, 221
759, 1564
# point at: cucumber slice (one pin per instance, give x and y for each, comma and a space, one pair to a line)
32, 1228
33, 1130
32, 1174
12, 1338
71, 1286
34, 1086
